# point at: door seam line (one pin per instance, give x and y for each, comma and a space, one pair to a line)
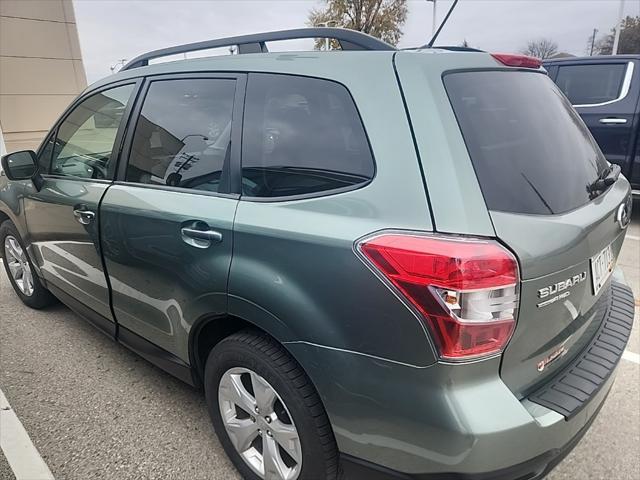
104, 265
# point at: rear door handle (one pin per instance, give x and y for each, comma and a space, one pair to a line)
85, 217
211, 235
200, 238
613, 121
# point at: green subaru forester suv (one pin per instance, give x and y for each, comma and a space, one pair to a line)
376, 263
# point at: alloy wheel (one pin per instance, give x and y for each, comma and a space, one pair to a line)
18, 264
259, 425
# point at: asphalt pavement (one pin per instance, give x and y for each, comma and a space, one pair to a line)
94, 410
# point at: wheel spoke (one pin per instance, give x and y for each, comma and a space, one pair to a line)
14, 248
287, 438
27, 281
232, 389
242, 432
15, 269
264, 393
274, 467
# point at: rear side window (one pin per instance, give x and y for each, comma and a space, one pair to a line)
183, 135
301, 136
590, 84
530, 150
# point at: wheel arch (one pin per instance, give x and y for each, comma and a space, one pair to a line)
208, 331
3, 217
15, 215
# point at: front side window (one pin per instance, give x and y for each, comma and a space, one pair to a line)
301, 136
86, 137
591, 84
183, 135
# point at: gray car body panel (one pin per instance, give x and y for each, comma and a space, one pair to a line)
11, 206
570, 241
479, 423
455, 196
67, 253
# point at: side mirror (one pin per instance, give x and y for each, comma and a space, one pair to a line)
22, 165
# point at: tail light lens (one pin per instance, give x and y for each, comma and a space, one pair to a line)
522, 61
465, 289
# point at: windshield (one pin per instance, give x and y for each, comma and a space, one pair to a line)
530, 150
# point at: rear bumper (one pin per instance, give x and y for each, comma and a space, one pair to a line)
573, 387
535, 469
449, 421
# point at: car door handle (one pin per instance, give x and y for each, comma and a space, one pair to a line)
85, 217
613, 121
208, 235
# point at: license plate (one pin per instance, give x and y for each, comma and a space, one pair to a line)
601, 268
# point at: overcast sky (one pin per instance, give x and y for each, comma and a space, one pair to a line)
114, 29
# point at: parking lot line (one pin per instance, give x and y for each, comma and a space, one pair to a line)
632, 237
23, 458
632, 357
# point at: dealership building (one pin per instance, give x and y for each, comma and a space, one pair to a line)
41, 69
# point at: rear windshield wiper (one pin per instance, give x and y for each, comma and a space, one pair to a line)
607, 177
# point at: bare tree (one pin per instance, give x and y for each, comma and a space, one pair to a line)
380, 18
604, 45
541, 48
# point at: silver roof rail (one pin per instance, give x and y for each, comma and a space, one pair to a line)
256, 43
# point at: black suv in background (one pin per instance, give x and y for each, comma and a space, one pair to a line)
605, 90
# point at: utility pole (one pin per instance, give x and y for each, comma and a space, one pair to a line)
433, 19
616, 38
326, 40
593, 41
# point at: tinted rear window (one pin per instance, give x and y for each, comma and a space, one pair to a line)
301, 136
590, 84
531, 151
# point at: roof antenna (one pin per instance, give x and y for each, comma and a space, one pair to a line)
433, 39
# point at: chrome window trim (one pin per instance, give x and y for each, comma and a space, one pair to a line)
626, 86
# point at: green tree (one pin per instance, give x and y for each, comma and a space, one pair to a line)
381, 18
629, 38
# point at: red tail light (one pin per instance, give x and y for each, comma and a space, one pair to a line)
465, 289
523, 61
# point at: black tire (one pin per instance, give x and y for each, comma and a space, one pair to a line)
41, 297
263, 355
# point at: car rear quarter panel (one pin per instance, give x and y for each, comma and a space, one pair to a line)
294, 271
456, 200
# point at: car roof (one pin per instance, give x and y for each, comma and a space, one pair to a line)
358, 50
310, 63
341, 66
